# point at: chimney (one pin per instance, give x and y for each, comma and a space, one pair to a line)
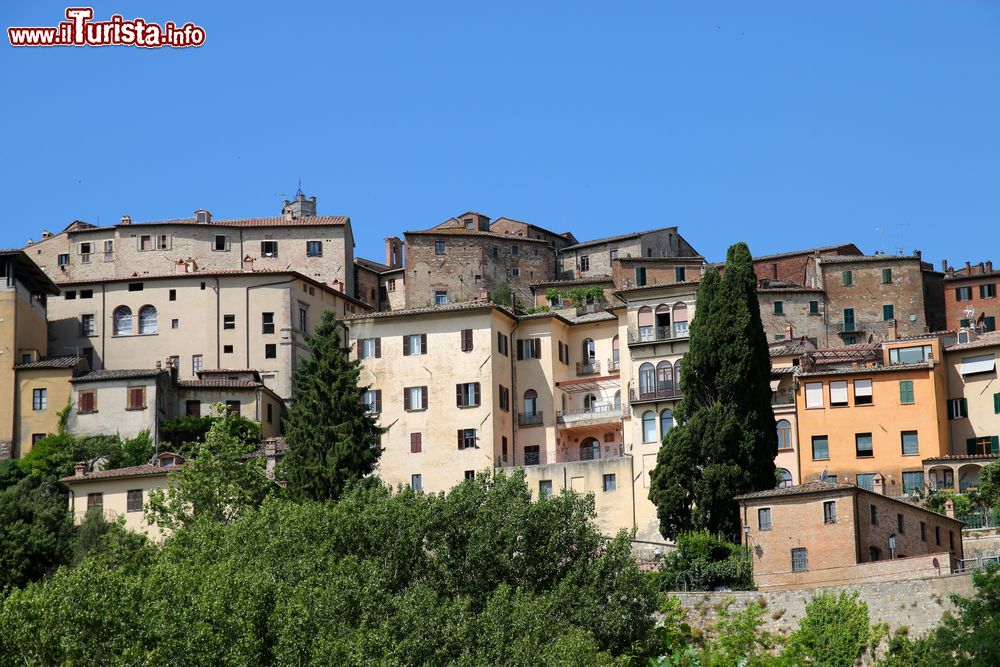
393, 252
981, 267
159, 365
79, 469
46, 234
878, 484
949, 508
180, 266
918, 254
893, 330
789, 332
989, 266
968, 268
338, 285
944, 266
125, 220
248, 263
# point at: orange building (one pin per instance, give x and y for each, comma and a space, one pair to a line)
875, 421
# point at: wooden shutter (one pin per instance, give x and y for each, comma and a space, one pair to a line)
415, 443
965, 408
520, 349
538, 348
361, 344
423, 398
406, 346
466, 340
970, 446
406, 398
461, 439
378, 400
423, 343
378, 348
994, 444
458, 395
996, 403
475, 393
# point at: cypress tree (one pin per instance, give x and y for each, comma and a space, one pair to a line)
724, 442
332, 438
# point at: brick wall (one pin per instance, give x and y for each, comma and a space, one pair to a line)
798, 268
795, 312
955, 309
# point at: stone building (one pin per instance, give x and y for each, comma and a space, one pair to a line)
788, 310
318, 247
798, 267
970, 296
866, 295
597, 257
822, 533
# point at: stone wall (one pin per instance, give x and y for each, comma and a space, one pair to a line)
916, 604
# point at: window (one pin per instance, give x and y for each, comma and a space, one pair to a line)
779, 307
416, 443
958, 408
221, 243
39, 399
951, 540
545, 488
86, 249
988, 291
439, 247
906, 392
640, 276
865, 481
820, 448
764, 518
888, 312
923, 531
613, 255
863, 445
440, 298
503, 396
649, 426
847, 277
414, 398
196, 363
609, 483
502, 344
585, 262
911, 446
666, 422
886, 276
873, 514
679, 274
109, 250
135, 398
963, 294
269, 248
228, 321
849, 324
470, 474
172, 295
304, 318
314, 248
900, 524
192, 408
86, 294
909, 355
370, 348
70, 295
990, 323
531, 402
416, 483
270, 413
134, 500
267, 323
466, 340
227, 349
913, 482
529, 348
814, 307
830, 511
800, 560
814, 395
88, 325
784, 478
122, 318
862, 392
162, 242
63, 259
467, 395
414, 344
838, 394
514, 250
515, 271
390, 285
86, 402
271, 351
135, 287
147, 320
467, 438
95, 501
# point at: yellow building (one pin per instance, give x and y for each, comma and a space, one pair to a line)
43, 391
874, 417
24, 293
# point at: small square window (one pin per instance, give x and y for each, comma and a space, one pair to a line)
470, 474
134, 500
227, 349
545, 488
175, 323
271, 351
440, 298
86, 294
314, 248
269, 248
228, 321
439, 247
609, 483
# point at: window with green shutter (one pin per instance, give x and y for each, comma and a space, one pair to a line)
958, 408
779, 307
814, 307
990, 323
996, 403
848, 277
888, 312
964, 323
906, 392
886, 276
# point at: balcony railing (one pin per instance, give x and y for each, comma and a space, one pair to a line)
582, 454
783, 397
598, 413
591, 367
614, 365
657, 394
678, 331
529, 419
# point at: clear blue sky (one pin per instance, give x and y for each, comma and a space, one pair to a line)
785, 124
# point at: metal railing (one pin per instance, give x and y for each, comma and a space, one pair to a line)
529, 419
783, 397
662, 392
602, 412
614, 365
579, 455
677, 331
592, 367
977, 563
979, 519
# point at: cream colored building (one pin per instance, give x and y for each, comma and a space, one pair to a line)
123, 402
786, 358
199, 320
318, 247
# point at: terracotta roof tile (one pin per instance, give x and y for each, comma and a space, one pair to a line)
808, 251
279, 221
131, 374
989, 339
134, 471
893, 368
619, 237
450, 308
59, 361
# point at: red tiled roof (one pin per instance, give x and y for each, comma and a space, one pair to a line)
134, 471
278, 221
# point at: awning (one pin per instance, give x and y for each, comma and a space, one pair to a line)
982, 364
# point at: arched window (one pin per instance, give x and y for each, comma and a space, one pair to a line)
589, 402
680, 319
147, 320
662, 320
647, 378
618, 400
649, 426
590, 449
664, 376
666, 422
615, 354
784, 478
531, 402
874, 554
784, 434
589, 352
123, 321
645, 323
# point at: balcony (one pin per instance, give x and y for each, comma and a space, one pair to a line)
614, 365
591, 367
597, 414
580, 455
678, 331
783, 397
658, 394
529, 419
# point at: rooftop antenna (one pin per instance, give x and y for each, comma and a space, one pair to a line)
299, 191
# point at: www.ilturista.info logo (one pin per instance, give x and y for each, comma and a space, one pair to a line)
81, 30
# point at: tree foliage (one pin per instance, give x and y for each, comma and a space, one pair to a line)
835, 632
703, 563
724, 441
332, 438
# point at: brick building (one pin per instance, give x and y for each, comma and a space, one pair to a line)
798, 267
597, 257
823, 533
867, 294
970, 297
788, 310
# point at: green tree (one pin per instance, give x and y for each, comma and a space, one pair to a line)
989, 486
332, 438
724, 442
835, 632
36, 529
701, 563
218, 483
968, 636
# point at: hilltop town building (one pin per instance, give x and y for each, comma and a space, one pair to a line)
970, 296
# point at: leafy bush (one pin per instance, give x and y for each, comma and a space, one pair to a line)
835, 632
703, 563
